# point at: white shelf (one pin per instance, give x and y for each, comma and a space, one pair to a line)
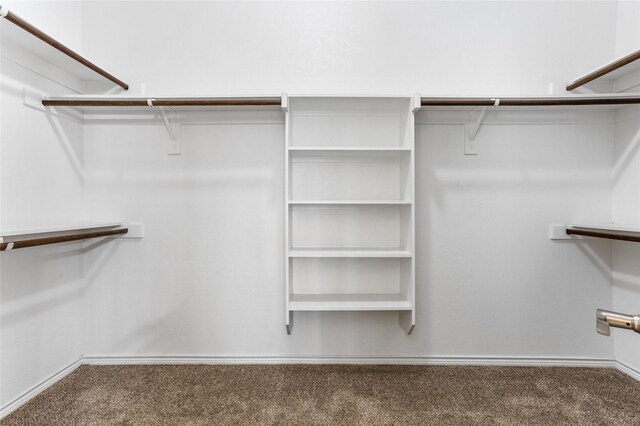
342, 150
610, 71
350, 253
100, 106
351, 202
608, 227
23, 47
348, 302
595, 230
19, 231
297, 153
599, 101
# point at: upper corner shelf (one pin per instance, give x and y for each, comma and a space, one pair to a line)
40, 236
69, 227
25, 36
611, 71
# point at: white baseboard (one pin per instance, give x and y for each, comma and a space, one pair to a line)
361, 360
632, 372
40, 387
391, 360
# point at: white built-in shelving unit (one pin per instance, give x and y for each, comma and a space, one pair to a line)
350, 214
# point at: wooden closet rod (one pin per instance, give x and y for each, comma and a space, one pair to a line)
276, 101
16, 20
177, 102
557, 101
604, 70
603, 234
60, 239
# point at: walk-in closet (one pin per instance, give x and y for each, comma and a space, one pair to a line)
319, 212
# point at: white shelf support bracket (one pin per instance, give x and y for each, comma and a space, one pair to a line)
476, 126
173, 129
416, 103
407, 321
289, 322
136, 230
168, 123
4, 11
33, 99
473, 127
285, 102
559, 232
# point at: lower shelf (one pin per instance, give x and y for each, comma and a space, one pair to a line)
349, 253
348, 302
79, 226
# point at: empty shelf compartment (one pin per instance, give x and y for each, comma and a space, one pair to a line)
350, 227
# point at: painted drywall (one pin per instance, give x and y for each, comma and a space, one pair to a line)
349, 47
40, 184
627, 27
626, 210
61, 19
207, 278
626, 191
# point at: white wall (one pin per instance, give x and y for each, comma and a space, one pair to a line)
627, 27
626, 210
354, 47
626, 194
40, 184
207, 280
60, 18
491, 281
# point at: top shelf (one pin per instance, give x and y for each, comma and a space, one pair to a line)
606, 231
608, 227
106, 104
25, 36
601, 100
611, 71
135, 104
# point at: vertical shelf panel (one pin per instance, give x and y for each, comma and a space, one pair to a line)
287, 195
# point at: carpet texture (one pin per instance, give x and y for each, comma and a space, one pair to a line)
334, 394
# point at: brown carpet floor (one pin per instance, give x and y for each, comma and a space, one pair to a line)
334, 394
